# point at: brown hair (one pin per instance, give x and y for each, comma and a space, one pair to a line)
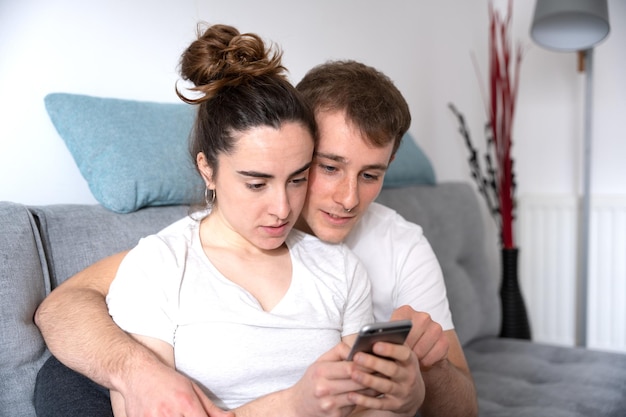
239, 84
369, 98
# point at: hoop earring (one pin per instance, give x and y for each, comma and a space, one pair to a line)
209, 201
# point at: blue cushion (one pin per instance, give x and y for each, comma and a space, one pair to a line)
410, 166
133, 154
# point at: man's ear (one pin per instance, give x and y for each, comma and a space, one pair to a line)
205, 170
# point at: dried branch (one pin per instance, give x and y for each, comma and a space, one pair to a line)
497, 184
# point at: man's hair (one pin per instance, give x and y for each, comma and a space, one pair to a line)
372, 103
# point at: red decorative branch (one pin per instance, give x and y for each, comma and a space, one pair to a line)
498, 183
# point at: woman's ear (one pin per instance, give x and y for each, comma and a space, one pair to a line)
205, 170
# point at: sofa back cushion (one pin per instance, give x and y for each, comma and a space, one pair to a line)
23, 284
451, 218
76, 236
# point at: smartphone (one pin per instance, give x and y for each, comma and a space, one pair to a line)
391, 331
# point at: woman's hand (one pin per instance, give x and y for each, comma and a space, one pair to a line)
395, 374
326, 386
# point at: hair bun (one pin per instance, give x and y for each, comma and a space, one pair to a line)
221, 57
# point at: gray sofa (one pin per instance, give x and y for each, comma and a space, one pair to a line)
42, 246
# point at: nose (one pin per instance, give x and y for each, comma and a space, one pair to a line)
347, 193
280, 205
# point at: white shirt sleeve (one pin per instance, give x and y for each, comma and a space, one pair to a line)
401, 265
143, 297
358, 310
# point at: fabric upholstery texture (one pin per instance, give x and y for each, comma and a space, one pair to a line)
76, 236
544, 380
23, 284
410, 166
134, 154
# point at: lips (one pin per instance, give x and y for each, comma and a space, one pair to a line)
279, 230
337, 220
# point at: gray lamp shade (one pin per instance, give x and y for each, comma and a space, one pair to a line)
570, 25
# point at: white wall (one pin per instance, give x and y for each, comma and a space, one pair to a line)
130, 49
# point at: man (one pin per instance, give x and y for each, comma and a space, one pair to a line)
362, 118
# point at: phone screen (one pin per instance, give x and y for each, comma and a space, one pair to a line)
392, 332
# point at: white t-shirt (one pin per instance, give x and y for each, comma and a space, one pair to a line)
401, 265
167, 288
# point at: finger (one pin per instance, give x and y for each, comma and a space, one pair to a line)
375, 382
407, 313
380, 402
211, 409
436, 354
392, 351
338, 353
382, 374
433, 344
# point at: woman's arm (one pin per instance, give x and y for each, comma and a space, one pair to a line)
322, 390
334, 387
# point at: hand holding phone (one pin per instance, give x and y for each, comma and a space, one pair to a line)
391, 332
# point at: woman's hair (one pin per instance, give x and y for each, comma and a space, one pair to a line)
238, 84
370, 99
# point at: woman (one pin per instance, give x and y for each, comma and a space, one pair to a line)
233, 297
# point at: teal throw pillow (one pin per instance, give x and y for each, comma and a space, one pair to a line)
411, 166
133, 154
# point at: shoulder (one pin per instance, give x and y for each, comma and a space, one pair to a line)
298, 239
169, 243
335, 259
299, 242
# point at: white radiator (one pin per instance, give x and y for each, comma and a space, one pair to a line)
547, 230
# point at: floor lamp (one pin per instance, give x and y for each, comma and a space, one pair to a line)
576, 26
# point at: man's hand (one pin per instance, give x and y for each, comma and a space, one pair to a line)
167, 393
427, 338
449, 384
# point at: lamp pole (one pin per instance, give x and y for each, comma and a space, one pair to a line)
583, 284
568, 26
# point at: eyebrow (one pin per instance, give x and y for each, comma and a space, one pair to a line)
343, 160
256, 174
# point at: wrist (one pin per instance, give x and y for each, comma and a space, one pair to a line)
132, 366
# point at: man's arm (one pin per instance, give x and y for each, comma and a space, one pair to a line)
450, 389
449, 384
75, 323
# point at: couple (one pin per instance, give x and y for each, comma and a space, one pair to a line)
258, 147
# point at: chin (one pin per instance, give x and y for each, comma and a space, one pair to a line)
332, 235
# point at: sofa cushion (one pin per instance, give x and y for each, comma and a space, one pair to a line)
410, 166
76, 236
132, 153
458, 241
23, 284
521, 378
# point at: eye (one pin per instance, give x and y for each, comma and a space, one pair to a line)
328, 168
370, 177
299, 180
255, 186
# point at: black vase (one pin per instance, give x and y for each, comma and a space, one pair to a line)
514, 318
